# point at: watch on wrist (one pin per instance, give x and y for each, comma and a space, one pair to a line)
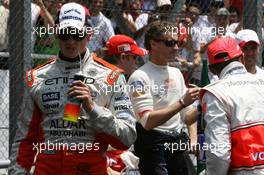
182, 103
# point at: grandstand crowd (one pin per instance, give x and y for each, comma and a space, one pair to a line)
198, 22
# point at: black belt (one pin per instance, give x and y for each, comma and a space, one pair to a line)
156, 137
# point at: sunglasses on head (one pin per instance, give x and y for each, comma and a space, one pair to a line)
168, 43
66, 34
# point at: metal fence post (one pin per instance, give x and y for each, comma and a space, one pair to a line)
252, 19
20, 58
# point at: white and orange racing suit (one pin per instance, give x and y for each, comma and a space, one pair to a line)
111, 122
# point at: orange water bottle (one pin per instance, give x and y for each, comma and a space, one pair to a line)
72, 108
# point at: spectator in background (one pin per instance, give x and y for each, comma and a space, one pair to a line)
163, 9
235, 15
212, 10
47, 43
103, 29
45, 13
206, 4
146, 18
220, 29
196, 25
148, 5
222, 21
123, 52
39, 10
235, 20
135, 8
123, 10
239, 4
249, 43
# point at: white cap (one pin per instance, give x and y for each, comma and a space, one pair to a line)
72, 15
246, 35
163, 2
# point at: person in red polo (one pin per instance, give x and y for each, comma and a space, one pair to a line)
234, 113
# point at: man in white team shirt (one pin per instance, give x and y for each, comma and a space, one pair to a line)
159, 97
249, 43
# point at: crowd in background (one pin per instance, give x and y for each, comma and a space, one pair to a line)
198, 21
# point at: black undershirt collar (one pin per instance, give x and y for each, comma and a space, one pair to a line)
77, 58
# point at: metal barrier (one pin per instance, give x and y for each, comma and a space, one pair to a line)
4, 163
33, 55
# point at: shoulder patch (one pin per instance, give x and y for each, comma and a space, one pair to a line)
30, 74
114, 74
30, 78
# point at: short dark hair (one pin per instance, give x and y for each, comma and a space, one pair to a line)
220, 66
193, 4
156, 30
233, 9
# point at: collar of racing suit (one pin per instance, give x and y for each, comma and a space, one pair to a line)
233, 68
77, 58
67, 64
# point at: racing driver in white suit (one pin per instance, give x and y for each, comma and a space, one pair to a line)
234, 113
102, 121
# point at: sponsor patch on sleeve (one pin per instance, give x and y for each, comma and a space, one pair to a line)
138, 89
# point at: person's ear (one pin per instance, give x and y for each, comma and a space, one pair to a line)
242, 59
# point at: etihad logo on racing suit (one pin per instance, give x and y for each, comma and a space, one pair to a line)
51, 96
66, 80
58, 80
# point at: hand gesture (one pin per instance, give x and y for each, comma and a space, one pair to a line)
81, 91
190, 96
